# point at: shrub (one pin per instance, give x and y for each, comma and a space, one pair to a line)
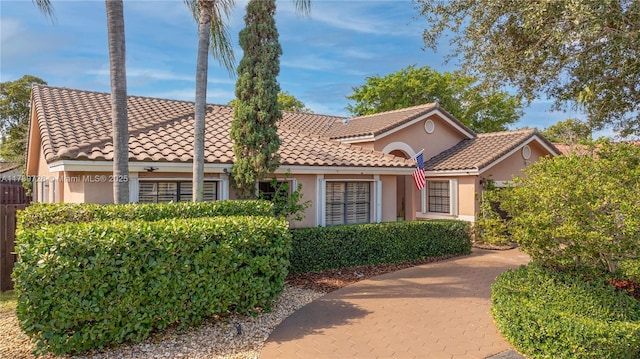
491, 224
41, 214
548, 314
578, 211
286, 201
87, 285
322, 248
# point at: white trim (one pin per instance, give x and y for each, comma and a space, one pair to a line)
375, 197
357, 139
516, 149
326, 170
321, 193
429, 126
452, 173
471, 219
401, 146
433, 215
185, 167
107, 166
436, 111
502, 184
134, 187
423, 197
224, 189
453, 197
526, 152
377, 184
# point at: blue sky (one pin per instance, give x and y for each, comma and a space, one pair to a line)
325, 55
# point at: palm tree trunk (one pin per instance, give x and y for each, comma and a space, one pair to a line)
201, 99
118, 73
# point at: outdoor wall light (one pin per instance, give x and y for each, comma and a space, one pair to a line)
150, 168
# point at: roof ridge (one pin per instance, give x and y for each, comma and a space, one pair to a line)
508, 132
344, 145
128, 95
434, 104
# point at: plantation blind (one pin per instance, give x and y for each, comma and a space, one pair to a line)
348, 203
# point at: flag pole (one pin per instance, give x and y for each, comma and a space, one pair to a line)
414, 156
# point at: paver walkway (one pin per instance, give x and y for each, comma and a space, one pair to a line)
436, 310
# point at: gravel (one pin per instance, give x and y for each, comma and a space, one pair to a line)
213, 339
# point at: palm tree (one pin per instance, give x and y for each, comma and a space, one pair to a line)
212, 33
46, 8
118, 74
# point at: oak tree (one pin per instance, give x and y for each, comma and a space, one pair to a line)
482, 111
581, 54
15, 97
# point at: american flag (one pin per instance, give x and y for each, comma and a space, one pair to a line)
418, 174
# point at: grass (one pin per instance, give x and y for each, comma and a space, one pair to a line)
8, 301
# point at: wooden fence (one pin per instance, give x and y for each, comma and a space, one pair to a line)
7, 243
13, 193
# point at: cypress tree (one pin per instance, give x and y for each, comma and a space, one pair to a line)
253, 129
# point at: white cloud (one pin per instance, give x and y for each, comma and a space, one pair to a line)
357, 16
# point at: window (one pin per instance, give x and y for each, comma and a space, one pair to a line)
439, 197
348, 203
267, 191
165, 191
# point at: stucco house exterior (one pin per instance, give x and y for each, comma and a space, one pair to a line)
352, 170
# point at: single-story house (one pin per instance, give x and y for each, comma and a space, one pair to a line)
10, 172
352, 170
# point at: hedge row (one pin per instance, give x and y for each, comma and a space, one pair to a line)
41, 214
87, 285
316, 249
549, 314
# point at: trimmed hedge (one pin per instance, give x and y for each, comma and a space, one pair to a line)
41, 214
322, 248
87, 285
547, 314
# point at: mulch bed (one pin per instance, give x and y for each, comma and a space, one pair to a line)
494, 247
330, 280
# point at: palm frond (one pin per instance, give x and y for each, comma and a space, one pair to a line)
46, 8
195, 9
303, 7
221, 47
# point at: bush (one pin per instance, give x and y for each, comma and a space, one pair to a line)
578, 211
87, 285
41, 214
322, 248
491, 224
547, 314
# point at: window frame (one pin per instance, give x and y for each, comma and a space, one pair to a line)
345, 203
453, 200
179, 196
438, 201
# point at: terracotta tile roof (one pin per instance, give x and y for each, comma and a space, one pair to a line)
576, 149
76, 124
8, 166
479, 152
370, 125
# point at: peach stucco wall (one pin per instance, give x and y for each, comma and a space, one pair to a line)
309, 188
467, 189
389, 194
99, 191
443, 137
514, 164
